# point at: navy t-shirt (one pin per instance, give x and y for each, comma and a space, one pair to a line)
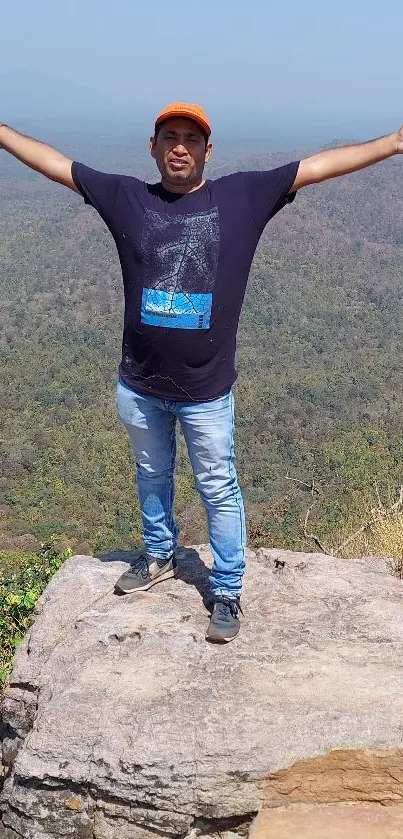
185, 262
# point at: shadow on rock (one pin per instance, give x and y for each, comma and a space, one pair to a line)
193, 572
118, 555
191, 569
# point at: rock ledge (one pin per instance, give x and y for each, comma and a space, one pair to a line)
121, 721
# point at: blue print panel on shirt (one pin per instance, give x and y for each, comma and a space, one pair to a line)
176, 310
181, 259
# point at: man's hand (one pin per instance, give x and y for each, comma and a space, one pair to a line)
39, 156
341, 161
400, 140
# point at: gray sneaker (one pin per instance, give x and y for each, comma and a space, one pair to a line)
224, 622
145, 572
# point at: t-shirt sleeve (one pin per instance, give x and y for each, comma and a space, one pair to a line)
97, 188
268, 192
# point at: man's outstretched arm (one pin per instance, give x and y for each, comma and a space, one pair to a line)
39, 156
341, 161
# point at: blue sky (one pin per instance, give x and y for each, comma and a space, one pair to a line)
317, 63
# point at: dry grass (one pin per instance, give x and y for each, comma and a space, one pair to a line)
387, 535
381, 536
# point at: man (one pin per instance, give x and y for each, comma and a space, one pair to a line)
186, 245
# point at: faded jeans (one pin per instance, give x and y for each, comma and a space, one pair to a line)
208, 429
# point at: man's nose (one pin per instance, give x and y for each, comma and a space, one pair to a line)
180, 148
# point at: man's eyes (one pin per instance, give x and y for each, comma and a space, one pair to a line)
192, 139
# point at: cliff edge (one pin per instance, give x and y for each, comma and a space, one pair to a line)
121, 721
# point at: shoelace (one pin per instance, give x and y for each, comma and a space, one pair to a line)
141, 566
228, 608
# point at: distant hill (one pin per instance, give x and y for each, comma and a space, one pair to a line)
29, 99
25, 94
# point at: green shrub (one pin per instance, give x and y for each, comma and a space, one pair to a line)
19, 593
13, 559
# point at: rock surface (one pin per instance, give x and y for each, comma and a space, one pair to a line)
121, 722
330, 821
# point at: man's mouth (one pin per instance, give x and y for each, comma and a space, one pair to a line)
178, 164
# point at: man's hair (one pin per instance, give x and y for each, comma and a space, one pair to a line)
158, 127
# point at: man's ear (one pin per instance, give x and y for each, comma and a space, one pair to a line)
209, 151
153, 142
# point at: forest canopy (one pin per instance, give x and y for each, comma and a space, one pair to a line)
320, 390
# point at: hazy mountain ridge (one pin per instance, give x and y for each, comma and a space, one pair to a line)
31, 94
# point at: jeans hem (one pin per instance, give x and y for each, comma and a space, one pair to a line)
159, 556
221, 592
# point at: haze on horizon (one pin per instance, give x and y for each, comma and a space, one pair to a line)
292, 73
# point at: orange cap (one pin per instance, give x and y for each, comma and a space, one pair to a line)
188, 110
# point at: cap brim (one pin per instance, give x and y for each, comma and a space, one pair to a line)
187, 115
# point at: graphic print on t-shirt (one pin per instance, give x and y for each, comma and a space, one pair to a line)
181, 258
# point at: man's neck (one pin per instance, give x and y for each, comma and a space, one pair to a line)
181, 189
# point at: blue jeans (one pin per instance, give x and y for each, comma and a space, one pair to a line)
208, 428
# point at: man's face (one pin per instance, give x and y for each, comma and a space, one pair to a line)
180, 152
